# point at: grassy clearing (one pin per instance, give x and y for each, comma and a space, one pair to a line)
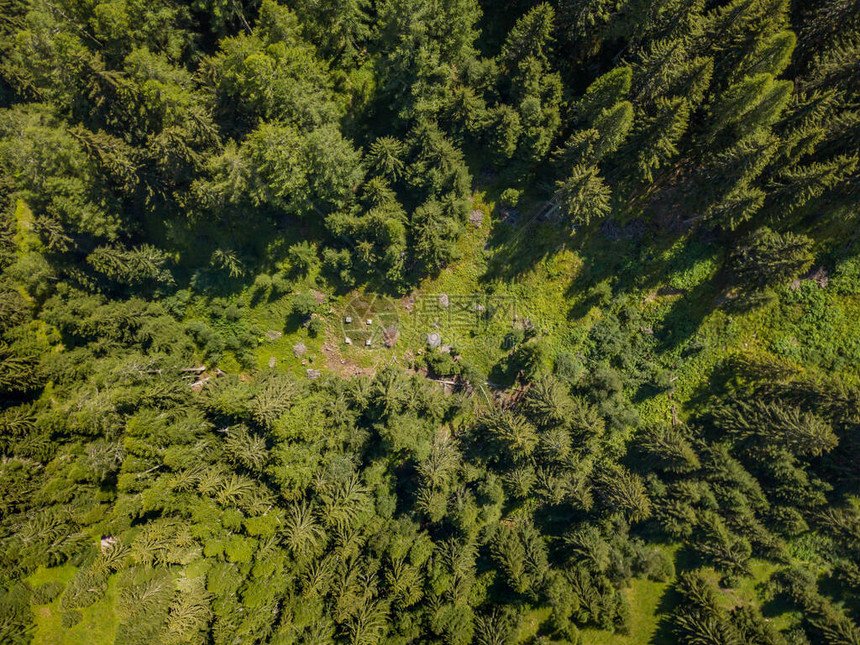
540, 296
98, 625
28, 246
646, 598
43, 575
540, 274
651, 602
25, 238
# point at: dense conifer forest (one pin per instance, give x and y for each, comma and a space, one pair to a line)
430, 321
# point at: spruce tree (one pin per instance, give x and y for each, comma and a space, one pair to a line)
794, 187
612, 127
750, 104
768, 257
583, 196
655, 137
669, 68
604, 93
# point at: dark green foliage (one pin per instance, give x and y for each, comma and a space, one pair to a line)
17, 369
583, 196
142, 265
701, 619
768, 258
46, 593
623, 492
825, 621
656, 137
669, 449
604, 93
786, 427
15, 614
304, 304
182, 182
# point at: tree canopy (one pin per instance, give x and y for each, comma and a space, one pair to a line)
429, 321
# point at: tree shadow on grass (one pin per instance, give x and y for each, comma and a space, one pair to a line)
664, 633
779, 605
258, 238
625, 258
613, 263
686, 314
294, 321
718, 385
516, 248
644, 260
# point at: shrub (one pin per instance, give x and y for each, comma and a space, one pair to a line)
71, 618
846, 277
304, 304
470, 373
262, 283
280, 284
316, 327
303, 257
47, 593
441, 363
510, 197
338, 265
568, 367
533, 359
513, 338
769, 258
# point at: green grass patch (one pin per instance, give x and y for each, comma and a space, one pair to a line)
97, 626
645, 598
